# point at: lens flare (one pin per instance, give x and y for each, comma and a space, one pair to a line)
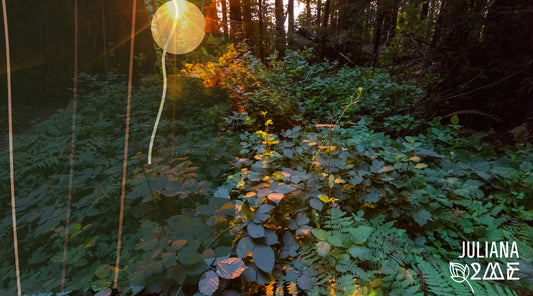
178, 27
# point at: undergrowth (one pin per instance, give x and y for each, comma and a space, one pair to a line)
320, 188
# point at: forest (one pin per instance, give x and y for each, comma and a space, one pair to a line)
266, 147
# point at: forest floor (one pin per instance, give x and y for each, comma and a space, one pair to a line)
25, 117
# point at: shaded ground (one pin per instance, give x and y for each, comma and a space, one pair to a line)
24, 119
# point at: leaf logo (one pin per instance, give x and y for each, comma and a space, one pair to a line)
459, 273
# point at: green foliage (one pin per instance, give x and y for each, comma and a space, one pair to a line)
166, 204
320, 188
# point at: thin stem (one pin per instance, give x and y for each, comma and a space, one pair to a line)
125, 163
72, 148
11, 166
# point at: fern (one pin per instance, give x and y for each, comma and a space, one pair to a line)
435, 281
404, 282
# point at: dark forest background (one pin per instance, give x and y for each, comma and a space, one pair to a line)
474, 57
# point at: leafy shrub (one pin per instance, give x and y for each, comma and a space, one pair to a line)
416, 198
165, 203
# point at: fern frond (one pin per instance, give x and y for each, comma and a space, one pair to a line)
433, 279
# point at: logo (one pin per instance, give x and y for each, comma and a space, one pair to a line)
491, 271
459, 273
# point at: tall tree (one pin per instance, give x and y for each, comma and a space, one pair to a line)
318, 12
224, 17
262, 29
280, 28
43, 48
247, 21
308, 12
235, 16
325, 21
290, 15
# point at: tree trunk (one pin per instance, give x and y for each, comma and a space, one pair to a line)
308, 12
290, 32
235, 17
104, 39
247, 21
391, 18
385, 28
42, 48
280, 29
262, 30
224, 17
325, 22
318, 12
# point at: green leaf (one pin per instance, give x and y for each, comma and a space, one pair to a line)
421, 216
305, 282
221, 193
230, 268
335, 239
360, 234
373, 196
255, 230
245, 247
281, 188
264, 258
320, 234
359, 252
322, 248
208, 283
331, 181
189, 255
261, 213
271, 238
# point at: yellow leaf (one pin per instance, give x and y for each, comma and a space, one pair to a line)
455, 119
323, 197
415, 159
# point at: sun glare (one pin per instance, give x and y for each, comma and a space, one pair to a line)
178, 27
176, 9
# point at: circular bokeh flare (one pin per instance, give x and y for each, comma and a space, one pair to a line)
178, 27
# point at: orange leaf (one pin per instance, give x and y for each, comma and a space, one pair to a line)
386, 168
276, 197
421, 166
